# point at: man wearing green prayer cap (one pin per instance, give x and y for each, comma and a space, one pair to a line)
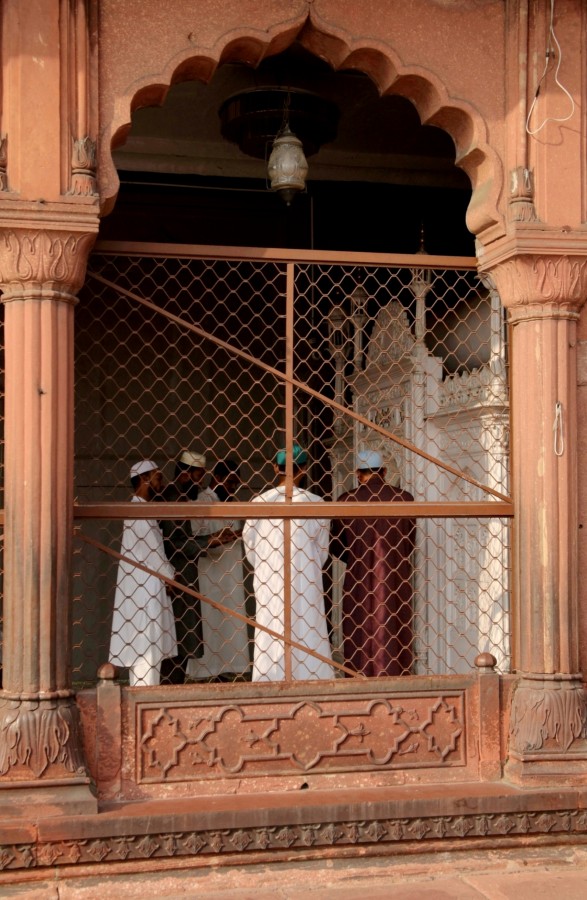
300, 457
264, 543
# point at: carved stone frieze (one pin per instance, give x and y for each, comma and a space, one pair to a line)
548, 716
536, 285
83, 168
464, 390
319, 836
39, 738
43, 262
180, 742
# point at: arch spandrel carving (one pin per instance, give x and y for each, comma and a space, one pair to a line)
336, 35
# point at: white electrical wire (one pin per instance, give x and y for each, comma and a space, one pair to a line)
551, 53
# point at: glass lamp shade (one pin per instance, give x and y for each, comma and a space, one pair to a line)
287, 167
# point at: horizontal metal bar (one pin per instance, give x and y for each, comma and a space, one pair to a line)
268, 254
491, 509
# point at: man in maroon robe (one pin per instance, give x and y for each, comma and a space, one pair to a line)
378, 591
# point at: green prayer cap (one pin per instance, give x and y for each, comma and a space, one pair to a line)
300, 457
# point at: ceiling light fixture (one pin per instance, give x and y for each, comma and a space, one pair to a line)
293, 122
287, 167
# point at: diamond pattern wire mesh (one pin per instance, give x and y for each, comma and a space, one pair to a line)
187, 353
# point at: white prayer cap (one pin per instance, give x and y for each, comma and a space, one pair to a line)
194, 460
140, 468
369, 459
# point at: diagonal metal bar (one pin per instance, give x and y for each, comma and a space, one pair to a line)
187, 590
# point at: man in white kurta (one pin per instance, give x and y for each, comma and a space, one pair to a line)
226, 641
264, 547
143, 625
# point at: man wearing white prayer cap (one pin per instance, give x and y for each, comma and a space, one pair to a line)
183, 551
377, 594
142, 467
143, 627
368, 459
191, 460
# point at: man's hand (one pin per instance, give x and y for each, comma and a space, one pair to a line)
225, 536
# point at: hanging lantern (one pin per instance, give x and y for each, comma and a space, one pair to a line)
287, 167
260, 117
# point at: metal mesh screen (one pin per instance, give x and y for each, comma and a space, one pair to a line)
397, 366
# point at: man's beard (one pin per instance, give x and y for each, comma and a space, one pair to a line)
190, 492
222, 493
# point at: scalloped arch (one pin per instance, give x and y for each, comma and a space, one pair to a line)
422, 87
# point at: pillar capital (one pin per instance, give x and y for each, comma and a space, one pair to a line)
45, 259
538, 272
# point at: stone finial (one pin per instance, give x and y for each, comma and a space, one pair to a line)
485, 662
83, 167
521, 200
107, 672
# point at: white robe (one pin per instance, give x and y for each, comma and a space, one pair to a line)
220, 576
143, 626
264, 547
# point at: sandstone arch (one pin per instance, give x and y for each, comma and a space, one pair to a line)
138, 84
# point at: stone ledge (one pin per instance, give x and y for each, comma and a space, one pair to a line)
296, 825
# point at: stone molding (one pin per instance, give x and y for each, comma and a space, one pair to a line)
43, 263
312, 839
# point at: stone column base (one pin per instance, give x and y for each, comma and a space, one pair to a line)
40, 758
548, 731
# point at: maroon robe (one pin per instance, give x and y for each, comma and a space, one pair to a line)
378, 593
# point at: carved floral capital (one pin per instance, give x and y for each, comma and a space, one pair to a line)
548, 715
43, 263
541, 285
40, 738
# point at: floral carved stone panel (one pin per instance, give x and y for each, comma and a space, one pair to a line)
181, 742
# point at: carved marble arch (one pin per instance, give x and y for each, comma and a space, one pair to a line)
342, 51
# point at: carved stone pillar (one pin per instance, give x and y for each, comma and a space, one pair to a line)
40, 748
548, 725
